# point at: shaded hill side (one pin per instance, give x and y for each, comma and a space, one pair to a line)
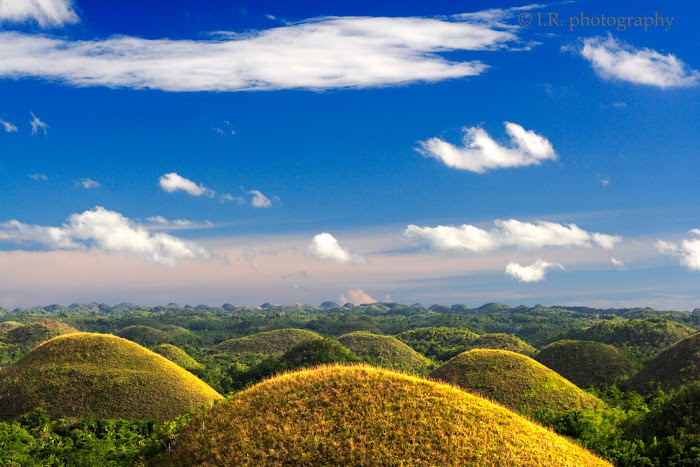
441, 343
500, 341
514, 380
638, 337
677, 365
586, 363
265, 343
385, 351
364, 416
103, 375
22, 338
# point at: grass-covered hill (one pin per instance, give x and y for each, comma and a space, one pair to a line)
440, 343
677, 365
143, 335
586, 363
514, 380
103, 375
500, 341
638, 337
177, 355
265, 343
385, 351
21, 338
364, 416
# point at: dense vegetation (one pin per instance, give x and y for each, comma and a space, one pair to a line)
657, 428
385, 351
354, 415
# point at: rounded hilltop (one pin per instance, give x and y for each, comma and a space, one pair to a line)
502, 341
514, 380
177, 355
385, 351
365, 416
102, 375
674, 367
586, 363
275, 342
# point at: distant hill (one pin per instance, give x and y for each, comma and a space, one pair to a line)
99, 374
586, 363
362, 416
268, 343
22, 338
177, 355
500, 341
441, 343
144, 335
514, 380
677, 365
385, 351
639, 337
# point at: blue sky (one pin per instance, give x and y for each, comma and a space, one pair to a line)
250, 152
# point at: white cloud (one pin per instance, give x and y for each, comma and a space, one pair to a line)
356, 297
37, 177
480, 152
108, 232
614, 59
9, 127
88, 183
35, 122
533, 273
325, 246
228, 197
259, 200
320, 53
161, 223
688, 250
48, 13
173, 182
510, 233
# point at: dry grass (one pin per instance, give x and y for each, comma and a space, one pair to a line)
502, 341
177, 355
365, 416
103, 375
385, 351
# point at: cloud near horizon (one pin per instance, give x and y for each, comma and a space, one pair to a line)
319, 53
534, 273
325, 246
480, 153
687, 250
47, 13
509, 233
107, 232
356, 297
615, 59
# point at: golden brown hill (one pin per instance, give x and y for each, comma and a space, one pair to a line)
677, 365
502, 341
365, 416
265, 343
514, 380
386, 351
103, 375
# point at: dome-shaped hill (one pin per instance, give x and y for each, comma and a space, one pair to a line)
500, 341
441, 343
143, 335
177, 355
586, 363
9, 325
514, 380
99, 374
268, 343
645, 337
364, 416
25, 337
385, 351
672, 368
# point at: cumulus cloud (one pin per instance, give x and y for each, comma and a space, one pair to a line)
532, 273
35, 122
37, 176
8, 127
688, 250
108, 232
508, 233
172, 182
480, 152
325, 246
614, 59
88, 183
48, 13
320, 53
259, 200
356, 297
